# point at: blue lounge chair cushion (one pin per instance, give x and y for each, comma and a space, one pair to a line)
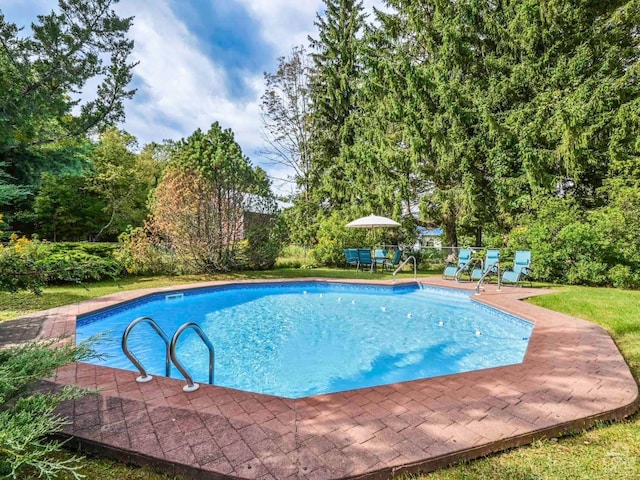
490, 265
464, 258
521, 267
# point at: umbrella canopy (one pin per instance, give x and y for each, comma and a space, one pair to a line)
372, 221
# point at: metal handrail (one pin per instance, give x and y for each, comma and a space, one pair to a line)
144, 377
191, 386
487, 272
415, 268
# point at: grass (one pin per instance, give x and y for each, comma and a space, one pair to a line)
605, 452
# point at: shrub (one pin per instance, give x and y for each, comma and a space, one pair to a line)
27, 416
18, 268
263, 242
333, 236
102, 250
29, 264
621, 276
206, 200
77, 266
142, 254
600, 247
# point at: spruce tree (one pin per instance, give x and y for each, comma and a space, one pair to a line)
334, 92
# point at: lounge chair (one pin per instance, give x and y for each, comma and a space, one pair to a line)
489, 267
379, 253
464, 262
351, 257
394, 262
521, 268
364, 257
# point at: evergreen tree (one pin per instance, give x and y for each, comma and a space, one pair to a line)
334, 91
425, 71
46, 105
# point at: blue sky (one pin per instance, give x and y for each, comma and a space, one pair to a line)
202, 61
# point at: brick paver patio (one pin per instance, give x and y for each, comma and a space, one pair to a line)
572, 376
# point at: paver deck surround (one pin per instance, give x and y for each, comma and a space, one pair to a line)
572, 376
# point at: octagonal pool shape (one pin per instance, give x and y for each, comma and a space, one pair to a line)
308, 338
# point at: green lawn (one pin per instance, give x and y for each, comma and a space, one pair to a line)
606, 452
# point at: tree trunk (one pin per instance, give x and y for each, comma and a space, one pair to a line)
450, 232
478, 237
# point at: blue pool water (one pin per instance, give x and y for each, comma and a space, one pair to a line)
300, 339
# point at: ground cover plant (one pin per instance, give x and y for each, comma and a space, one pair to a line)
28, 416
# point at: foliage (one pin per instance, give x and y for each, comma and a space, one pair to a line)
300, 224
263, 241
27, 415
65, 79
100, 201
18, 268
76, 266
84, 42
333, 237
570, 246
334, 88
28, 264
286, 111
201, 204
140, 253
66, 208
121, 181
476, 111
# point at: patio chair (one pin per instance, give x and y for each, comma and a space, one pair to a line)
521, 269
379, 256
394, 262
364, 258
489, 267
351, 257
464, 262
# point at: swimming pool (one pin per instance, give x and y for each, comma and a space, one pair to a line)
308, 338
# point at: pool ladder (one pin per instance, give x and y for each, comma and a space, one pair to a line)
170, 351
415, 268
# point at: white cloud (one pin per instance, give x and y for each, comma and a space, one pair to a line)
284, 23
181, 89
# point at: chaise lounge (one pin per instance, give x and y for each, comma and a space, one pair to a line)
521, 269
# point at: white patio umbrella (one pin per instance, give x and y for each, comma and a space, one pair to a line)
372, 221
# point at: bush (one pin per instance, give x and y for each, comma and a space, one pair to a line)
621, 276
141, 254
77, 266
333, 236
27, 416
263, 242
600, 247
29, 264
18, 268
102, 250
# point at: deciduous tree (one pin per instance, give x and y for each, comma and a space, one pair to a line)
200, 204
335, 85
286, 117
